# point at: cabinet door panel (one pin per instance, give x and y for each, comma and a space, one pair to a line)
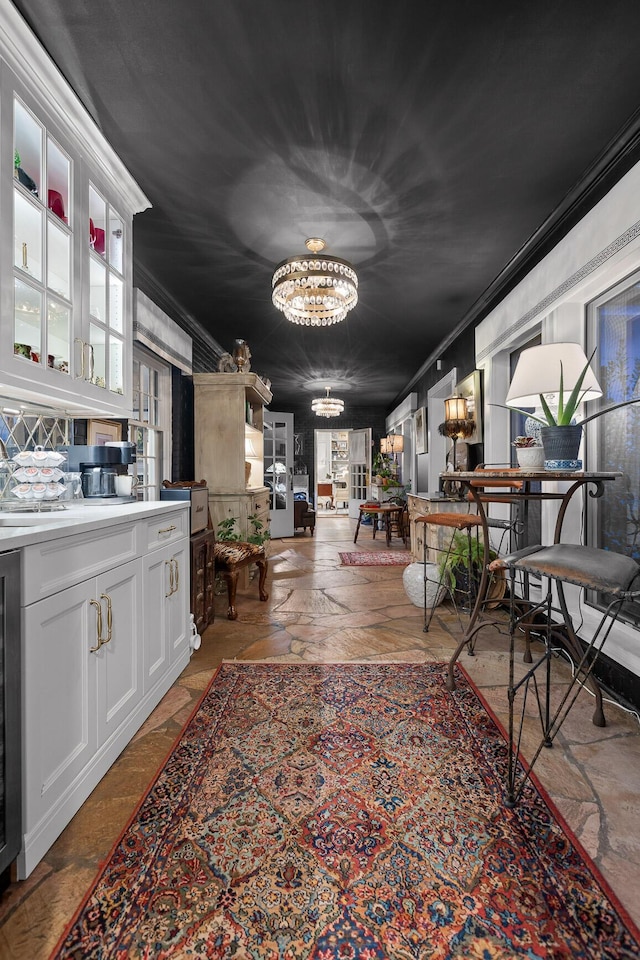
178, 601
119, 660
155, 579
59, 712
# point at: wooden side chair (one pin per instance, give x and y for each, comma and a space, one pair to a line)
230, 558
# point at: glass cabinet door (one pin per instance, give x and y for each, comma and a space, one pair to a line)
106, 348
43, 244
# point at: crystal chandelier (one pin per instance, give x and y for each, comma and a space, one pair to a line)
327, 406
315, 291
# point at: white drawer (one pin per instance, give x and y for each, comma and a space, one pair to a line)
55, 565
167, 528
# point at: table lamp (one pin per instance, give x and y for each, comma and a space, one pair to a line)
538, 372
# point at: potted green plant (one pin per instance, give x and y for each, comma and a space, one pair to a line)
382, 469
260, 534
560, 433
453, 567
226, 529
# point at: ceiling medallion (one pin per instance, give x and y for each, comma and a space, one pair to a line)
315, 291
327, 406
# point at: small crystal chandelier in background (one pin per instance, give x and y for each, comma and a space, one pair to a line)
327, 406
316, 291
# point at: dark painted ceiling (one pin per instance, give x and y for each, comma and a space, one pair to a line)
425, 142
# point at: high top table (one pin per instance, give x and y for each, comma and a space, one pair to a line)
389, 512
474, 484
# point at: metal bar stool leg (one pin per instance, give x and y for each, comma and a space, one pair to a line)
613, 575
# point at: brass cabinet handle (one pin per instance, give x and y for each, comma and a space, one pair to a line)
105, 596
25, 259
174, 576
98, 606
167, 529
92, 361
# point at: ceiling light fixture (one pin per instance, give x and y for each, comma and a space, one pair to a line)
315, 291
327, 406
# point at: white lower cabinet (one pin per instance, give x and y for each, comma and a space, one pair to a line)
166, 595
97, 657
119, 655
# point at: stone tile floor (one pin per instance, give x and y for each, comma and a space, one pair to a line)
321, 611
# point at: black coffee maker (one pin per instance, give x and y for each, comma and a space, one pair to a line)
98, 466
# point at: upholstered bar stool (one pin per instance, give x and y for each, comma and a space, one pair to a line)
457, 523
612, 574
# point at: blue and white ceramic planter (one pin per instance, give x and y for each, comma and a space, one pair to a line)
563, 464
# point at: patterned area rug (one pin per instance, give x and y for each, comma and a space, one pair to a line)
360, 558
344, 812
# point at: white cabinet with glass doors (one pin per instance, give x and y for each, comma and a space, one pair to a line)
65, 255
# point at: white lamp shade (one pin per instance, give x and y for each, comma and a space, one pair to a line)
538, 372
384, 445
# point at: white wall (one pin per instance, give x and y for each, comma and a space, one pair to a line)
601, 250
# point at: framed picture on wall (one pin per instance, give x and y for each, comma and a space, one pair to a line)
100, 432
420, 423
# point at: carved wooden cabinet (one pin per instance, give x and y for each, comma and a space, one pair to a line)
202, 578
229, 419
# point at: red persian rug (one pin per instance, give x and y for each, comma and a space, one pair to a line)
360, 558
344, 812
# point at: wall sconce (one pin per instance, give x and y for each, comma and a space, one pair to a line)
457, 424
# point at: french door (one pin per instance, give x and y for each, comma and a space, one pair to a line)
278, 471
359, 469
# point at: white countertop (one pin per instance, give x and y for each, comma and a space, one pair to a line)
22, 529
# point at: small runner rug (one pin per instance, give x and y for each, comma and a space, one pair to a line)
332, 811
362, 559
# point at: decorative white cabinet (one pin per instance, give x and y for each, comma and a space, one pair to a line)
65, 243
105, 632
229, 420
